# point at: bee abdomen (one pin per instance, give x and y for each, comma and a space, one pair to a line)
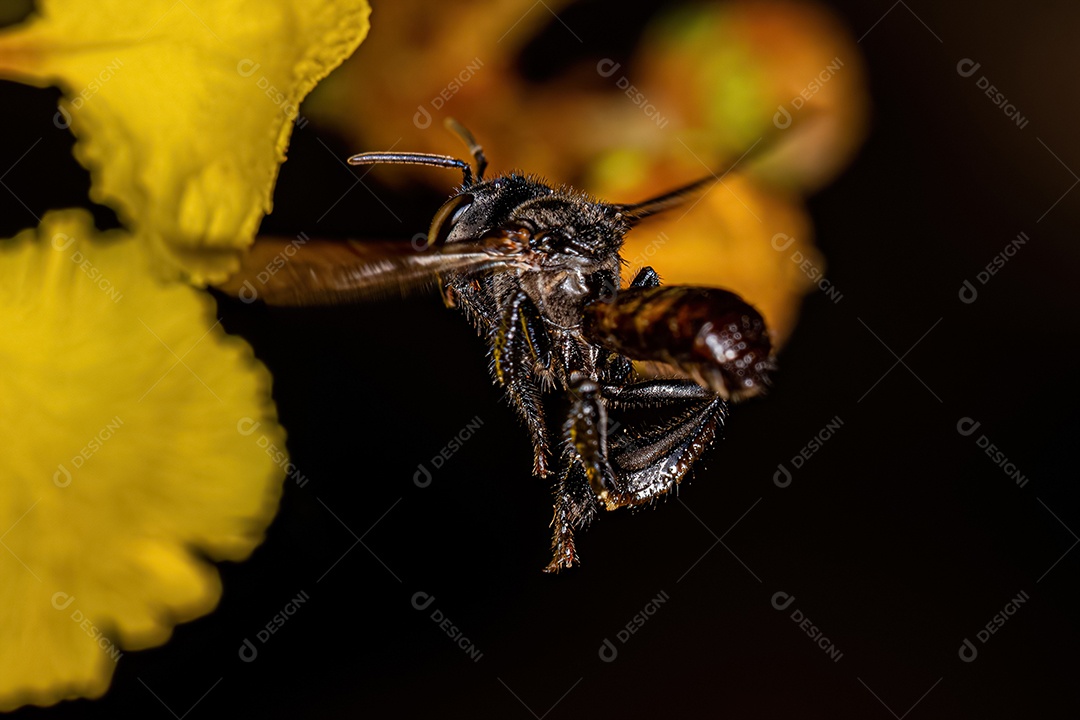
712, 336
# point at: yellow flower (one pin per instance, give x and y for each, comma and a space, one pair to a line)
183, 110
125, 407
143, 438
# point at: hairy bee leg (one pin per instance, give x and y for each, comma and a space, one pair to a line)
512, 341
644, 466
575, 507
586, 431
648, 465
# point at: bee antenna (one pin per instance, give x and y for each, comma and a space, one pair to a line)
391, 158
660, 203
474, 147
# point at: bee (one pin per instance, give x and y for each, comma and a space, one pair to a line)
537, 270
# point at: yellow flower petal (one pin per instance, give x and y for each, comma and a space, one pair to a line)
128, 416
183, 110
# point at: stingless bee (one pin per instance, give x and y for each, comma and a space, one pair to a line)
537, 269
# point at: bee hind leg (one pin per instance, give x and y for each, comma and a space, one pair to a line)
649, 463
615, 466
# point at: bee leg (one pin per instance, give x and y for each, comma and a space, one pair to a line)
642, 465
514, 345
539, 343
575, 507
646, 278
650, 463
586, 431
587, 475
656, 393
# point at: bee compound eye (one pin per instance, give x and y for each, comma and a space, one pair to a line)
447, 217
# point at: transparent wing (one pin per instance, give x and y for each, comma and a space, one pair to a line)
299, 271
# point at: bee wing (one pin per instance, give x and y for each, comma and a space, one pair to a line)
709, 335
299, 271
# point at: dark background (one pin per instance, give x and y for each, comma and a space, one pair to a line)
899, 538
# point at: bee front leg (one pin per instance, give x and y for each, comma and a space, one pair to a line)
518, 342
